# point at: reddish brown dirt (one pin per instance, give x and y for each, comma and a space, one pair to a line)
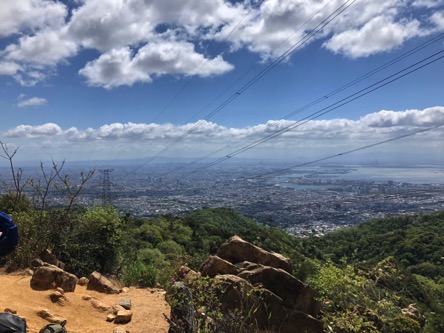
149, 305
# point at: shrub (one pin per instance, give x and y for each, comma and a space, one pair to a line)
139, 274
94, 242
403, 324
198, 306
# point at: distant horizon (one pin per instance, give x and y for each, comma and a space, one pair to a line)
140, 164
288, 79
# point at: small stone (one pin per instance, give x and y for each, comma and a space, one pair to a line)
60, 290
123, 317
118, 308
45, 314
125, 302
86, 298
110, 318
37, 262
120, 329
101, 306
83, 281
124, 290
58, 297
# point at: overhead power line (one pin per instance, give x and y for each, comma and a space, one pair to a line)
350, 151
319, 27
275, 50
331, 94
191, 78
369, 89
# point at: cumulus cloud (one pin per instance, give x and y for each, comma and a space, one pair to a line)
33, 132
9, 68
119, 67
428, 3
206, 137
137, 41
438, 20
34, 101
46, 48
379, 34
22, 15
417, 118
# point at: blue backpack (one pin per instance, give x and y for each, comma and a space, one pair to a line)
9, 238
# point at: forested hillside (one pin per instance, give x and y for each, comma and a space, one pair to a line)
381, 276
403, 255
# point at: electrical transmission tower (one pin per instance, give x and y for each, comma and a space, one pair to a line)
107, 198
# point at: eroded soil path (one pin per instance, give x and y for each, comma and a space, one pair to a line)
149, 305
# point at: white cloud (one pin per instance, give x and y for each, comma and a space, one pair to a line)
417, 118
113, 69
428, 3
317, 136
109, 24
34, 101
119, 67
19, 16
9, 68
378, 35
438, 20
139, 40
34, 132
45, 48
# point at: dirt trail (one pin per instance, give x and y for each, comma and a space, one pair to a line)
148, 307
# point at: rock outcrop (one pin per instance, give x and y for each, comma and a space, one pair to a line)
244, 277
48, 257
50, 277
237, 250
100, 283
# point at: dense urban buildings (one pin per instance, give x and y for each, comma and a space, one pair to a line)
306, 201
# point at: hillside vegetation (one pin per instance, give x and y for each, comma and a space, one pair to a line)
364, 275
403, 256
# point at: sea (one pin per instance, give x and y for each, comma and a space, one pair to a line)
411, 175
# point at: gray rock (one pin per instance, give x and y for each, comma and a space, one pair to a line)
125, 303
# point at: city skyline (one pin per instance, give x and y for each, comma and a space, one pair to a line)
114, 79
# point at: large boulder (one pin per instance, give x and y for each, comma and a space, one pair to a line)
215, 265
50, 277
293, 321
243, 286
100, 283
233, 291
183, 314
237, 250
294, 293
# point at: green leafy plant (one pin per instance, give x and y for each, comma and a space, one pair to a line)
140, 274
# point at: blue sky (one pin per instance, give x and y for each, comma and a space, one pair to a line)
110, 79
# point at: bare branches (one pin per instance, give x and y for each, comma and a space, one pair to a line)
17, 175
52, 179
72, 191
42, 189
